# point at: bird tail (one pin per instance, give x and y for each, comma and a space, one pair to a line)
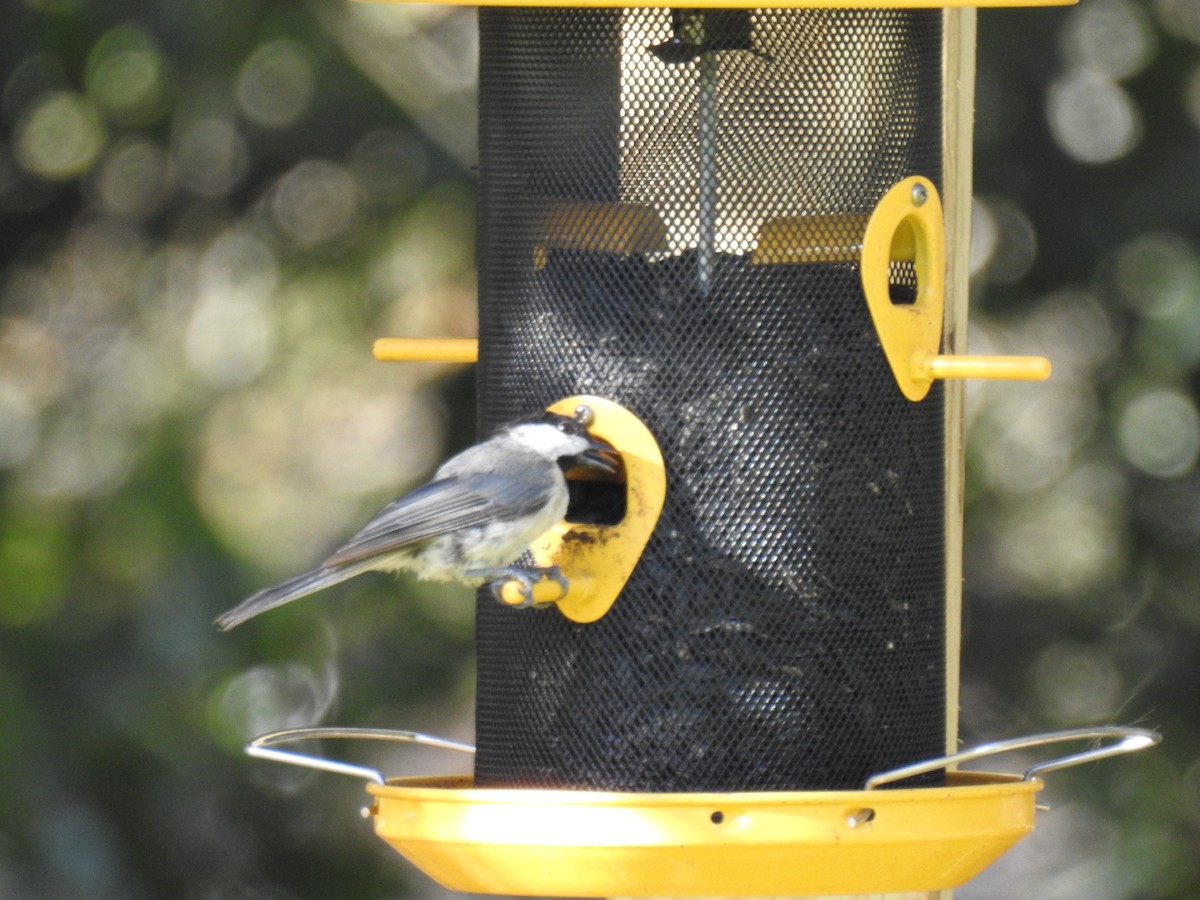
287, 591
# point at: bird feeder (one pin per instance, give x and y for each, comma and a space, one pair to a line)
738, 236
728, 222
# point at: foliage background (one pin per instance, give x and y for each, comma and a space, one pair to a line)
209, 209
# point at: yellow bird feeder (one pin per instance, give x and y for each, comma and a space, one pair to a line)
733, 240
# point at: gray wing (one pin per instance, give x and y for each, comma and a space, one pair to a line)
300, 586
441, 507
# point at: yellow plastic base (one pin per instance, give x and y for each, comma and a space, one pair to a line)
597, 844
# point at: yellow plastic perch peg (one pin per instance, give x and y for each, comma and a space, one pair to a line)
451, 350
906, 226
597, 560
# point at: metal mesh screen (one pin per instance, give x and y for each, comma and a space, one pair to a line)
785, 627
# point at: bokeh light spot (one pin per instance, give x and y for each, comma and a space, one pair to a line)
276, 82
211, 157
31, 361
33, 569
315, 202
1170, 343
389, 165
18, 427
61, 137
238, 262
286, 467
81, 455
1158, 273
1092, 118
1180, 18
1159, 433
228, 338
1029, 438
985, 235
126, 76
1007, 244
134, 180
1112, 37
131, 383
1076, 682
1064, 541
1191, 96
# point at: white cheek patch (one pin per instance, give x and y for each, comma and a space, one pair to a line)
548, 442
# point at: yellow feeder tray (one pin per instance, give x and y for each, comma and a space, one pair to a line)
572, 844
598, 844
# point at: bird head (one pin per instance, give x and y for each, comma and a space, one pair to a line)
566, 441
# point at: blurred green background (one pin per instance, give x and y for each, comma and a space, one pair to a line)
210, 209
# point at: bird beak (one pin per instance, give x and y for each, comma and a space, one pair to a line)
601, 457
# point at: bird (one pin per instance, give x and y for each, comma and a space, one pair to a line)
471, 522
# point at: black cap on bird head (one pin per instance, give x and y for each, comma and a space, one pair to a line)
600, 455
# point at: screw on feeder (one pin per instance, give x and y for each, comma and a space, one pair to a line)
860, 817
920, 194
584, 415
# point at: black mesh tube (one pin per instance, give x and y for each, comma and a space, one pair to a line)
785, 626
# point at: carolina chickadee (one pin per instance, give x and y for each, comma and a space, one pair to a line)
482, 509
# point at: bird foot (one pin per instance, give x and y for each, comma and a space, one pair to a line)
525, 587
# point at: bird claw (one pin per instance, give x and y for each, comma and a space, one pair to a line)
528, 581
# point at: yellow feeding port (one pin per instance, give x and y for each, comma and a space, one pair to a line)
907, 225
597, 559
